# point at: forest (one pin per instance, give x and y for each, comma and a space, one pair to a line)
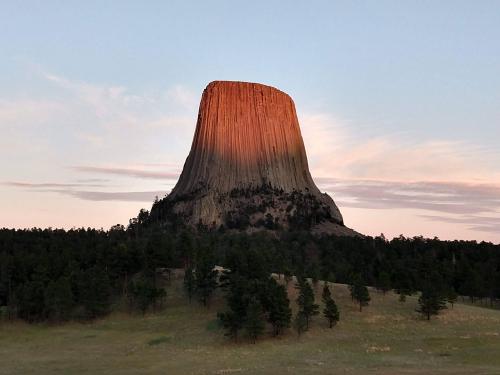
79, 274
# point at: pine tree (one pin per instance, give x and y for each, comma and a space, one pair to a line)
300, 323
314, 273
431, 301
287, 274
452, 296
237, 303
206, 279
305, 300
58, 299
280, 313
254, 322
359, 292
330, 312
329, 279
384, 282
189, 282
95, 291
144, 292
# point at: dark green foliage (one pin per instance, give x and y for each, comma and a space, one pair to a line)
206, 279
359, 293
384, 282
278, 306
58, 299
305, 301
330, 311
431, 302
189, 282
237, 303
247, 281
95, 292
314, 273
185, 248
144, 293
473, 285
254, 320
33, 261
451, 296
300, 323
30, 300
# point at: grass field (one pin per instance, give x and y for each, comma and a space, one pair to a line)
388, 337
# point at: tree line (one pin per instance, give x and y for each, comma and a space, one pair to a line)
56, 275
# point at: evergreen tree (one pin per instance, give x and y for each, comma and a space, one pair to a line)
190, 282
287, 275
329, 278
305, 301
237, 303
330, 312
452, 296
300, 323
384, 282
254, 322
359, 292
185, 248
58, 299
431, 301
29, 298
314, 273
206, 279
280, 313
95, 291
144, 293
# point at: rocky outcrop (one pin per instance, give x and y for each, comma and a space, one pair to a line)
247, 150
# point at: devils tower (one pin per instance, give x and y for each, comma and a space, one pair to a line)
247, 168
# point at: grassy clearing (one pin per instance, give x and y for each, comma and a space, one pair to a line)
388, 337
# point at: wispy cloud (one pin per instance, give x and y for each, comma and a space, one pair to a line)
129, 172
75, 190
335, 149
481, 223
127, 196
456, 198
49, 185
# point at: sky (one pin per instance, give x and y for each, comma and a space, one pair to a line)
398, 102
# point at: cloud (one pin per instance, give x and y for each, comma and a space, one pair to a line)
471, 204
20, 112
334, 148
443, 197
128, 172
74, 190
181, 95
128, 196
473, 222
48, 185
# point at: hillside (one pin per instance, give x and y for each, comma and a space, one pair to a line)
386, 338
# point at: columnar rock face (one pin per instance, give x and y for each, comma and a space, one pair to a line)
247, 150
246, 134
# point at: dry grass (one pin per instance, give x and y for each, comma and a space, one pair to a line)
388, 337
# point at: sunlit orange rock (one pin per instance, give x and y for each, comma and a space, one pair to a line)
247, 137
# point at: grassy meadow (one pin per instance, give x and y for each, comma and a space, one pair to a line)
388, 337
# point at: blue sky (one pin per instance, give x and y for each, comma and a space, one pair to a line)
398, 102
